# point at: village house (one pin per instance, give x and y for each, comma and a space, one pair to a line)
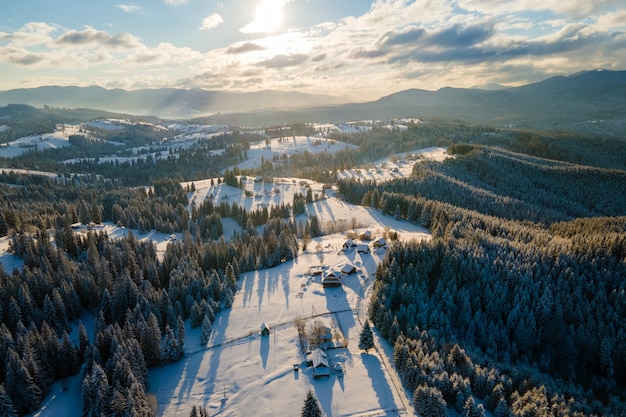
319, 361
348, 269
348, 244
381, 242
331, 279
363, 248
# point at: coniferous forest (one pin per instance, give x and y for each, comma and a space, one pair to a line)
139, 302
516, 306
519, 300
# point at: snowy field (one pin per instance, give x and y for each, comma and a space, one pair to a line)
290, 145
57, 139
401, 165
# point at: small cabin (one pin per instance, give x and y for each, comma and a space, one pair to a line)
319, 361
363, 248
380, 243
366, 235
265, 331
348, 269
348, 244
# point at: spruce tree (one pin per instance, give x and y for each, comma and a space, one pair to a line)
366, 339
429, 402
206, 331
311, 407
7, 408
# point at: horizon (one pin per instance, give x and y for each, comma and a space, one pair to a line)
362, 51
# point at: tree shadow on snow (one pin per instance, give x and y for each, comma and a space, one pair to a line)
380, 384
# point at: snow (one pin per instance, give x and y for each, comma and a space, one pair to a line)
290, 146
401, 165
56, 139
241, 372
8, 260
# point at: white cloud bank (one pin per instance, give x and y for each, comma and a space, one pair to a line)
211, 22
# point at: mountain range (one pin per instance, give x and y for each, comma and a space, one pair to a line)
597, 96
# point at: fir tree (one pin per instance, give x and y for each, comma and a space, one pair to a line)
7, 408
429, 402
206, 331
311, 407
366, 339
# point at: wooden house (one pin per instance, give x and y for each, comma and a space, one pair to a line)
348, 244
363, 248
319, 361
380, 243
331, 279
348, 269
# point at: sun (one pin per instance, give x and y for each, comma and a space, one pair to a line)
268, 18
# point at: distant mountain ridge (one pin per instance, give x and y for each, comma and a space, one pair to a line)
557, 102
562, 102
162, 102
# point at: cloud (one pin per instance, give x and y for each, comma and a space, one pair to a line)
20, 57
319, 58
243, 48
128, 8
282, 61
175, 2
407, 35
571, 8
458, 36
367, 54
91, 36
31, 34
211, 22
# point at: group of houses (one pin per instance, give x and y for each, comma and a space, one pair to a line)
332, 277
364, 246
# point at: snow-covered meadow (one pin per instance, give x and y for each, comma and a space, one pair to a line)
52, 140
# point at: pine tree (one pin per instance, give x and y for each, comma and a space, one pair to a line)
366, 339
21, 385
311, 407
429, 402
7, 408
206, 331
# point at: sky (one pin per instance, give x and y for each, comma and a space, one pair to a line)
349, 48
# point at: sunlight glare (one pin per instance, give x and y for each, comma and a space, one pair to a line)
268, 18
